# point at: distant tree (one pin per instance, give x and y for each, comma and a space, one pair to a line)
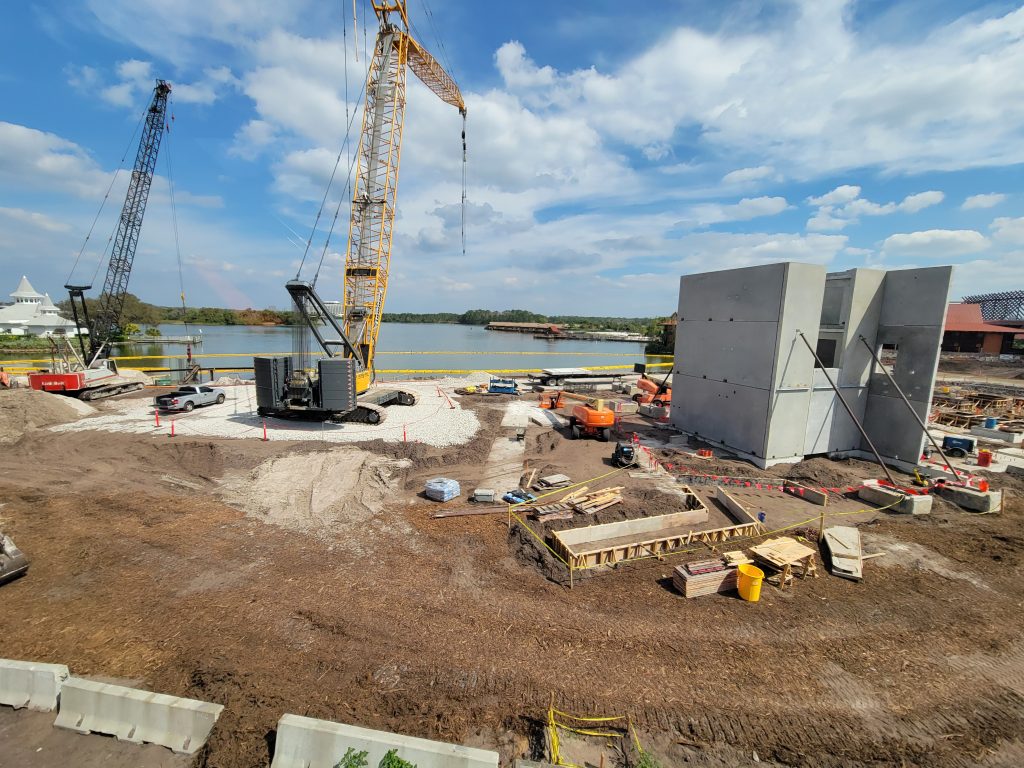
152, 331
131, 329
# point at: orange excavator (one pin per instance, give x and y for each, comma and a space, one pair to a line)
589, 418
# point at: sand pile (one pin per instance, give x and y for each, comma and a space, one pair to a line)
344, 493
22, 410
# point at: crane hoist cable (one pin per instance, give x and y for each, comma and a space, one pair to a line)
103, 202
174, 223
463, 183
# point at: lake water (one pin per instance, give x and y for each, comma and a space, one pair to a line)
401, 347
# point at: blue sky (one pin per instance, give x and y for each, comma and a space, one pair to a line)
612, 146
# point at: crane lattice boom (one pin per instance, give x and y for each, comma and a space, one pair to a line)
367, 260
106, 319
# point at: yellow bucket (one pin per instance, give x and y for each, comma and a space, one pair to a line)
748, 582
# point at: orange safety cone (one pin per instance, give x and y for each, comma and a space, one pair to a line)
172, 427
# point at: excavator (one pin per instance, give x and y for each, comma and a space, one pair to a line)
91, 374
590, 418
338, 386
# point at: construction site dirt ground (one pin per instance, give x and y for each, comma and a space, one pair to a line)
246, 573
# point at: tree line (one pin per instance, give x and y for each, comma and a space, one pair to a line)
140, 313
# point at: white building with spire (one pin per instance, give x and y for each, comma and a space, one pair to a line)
33, 314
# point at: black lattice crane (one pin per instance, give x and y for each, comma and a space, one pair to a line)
105, 323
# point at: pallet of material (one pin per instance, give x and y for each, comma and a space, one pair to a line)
708, 582
783, 554
596, 501
559, 511
553, 481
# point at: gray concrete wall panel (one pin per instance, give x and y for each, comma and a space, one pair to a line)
804, 291
893, 430
725, 413
742, 295
788, 424
861, 314
916, 296
736, 352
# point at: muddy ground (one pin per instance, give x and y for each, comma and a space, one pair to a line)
142, 569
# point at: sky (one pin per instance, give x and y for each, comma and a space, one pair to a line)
612, 147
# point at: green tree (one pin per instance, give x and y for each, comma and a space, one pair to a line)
152, 331
131, 329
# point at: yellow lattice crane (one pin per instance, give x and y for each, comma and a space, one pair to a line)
287, 385
368, 258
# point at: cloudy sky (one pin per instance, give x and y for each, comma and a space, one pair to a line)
612, 146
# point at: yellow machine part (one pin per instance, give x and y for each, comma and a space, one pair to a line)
362, 382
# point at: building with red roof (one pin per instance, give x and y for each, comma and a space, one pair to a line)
967, 331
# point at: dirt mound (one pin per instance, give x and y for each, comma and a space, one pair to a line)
330, 493
22, 410
831, 473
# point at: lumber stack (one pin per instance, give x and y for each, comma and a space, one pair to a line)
706, 577
578, 501
594, 502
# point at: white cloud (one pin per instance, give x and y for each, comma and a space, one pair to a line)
252, 139
1007, 230
120, 95
844, 206
207, 89
518, 71
746, 209
824, 220
174, 31
944, 101
922, 200
747, 175
983, 201
841, 194
38, 160
935, 243
36, 219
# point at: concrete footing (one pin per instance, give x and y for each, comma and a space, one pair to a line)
907, 504
998, 434
972, 499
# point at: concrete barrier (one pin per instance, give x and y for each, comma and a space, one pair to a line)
31, 684
908, 504
972, 499
303, 742
136, 716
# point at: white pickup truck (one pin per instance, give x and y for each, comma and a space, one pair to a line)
187, 398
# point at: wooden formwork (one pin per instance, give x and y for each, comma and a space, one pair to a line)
611, 543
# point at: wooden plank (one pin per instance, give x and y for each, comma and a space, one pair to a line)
843, 542
782, 551
696, 585
468, 512
739, 512
591, 537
